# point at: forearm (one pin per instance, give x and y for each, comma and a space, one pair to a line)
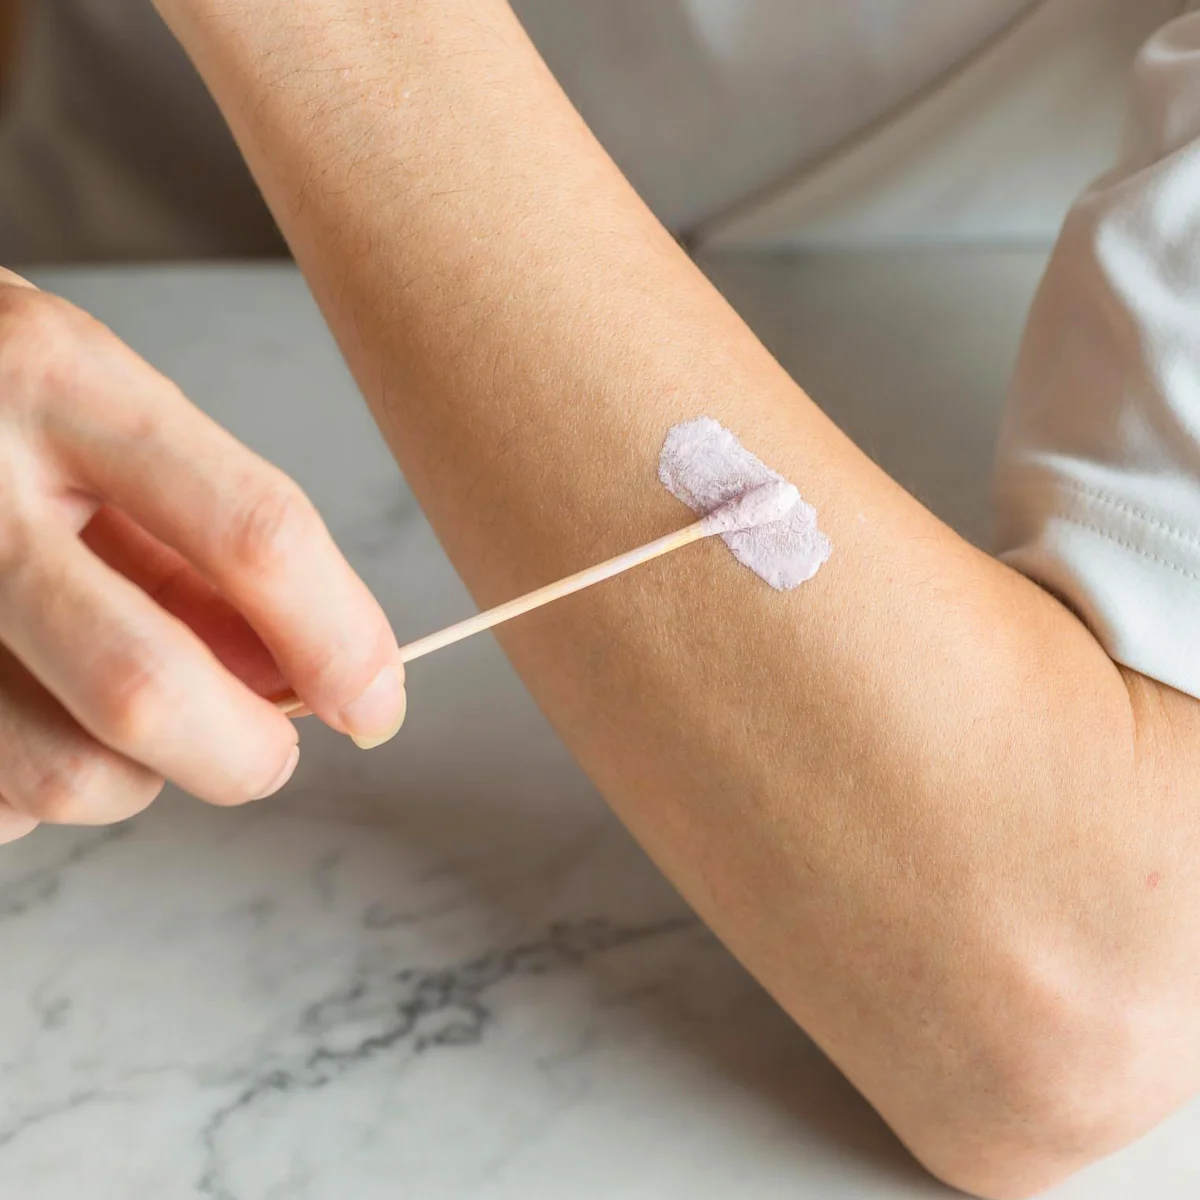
859, 784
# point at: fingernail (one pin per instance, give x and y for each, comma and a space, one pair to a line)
375, 742
284, 776
377, 715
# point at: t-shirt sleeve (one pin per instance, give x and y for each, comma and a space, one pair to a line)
1098, 476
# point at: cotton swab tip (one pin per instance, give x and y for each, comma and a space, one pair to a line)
760, 506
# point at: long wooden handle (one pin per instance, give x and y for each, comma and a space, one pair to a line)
545, 595
553, 591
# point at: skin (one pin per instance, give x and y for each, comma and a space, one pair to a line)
914, 797
143, 629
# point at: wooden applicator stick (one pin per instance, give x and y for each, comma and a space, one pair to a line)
761, 506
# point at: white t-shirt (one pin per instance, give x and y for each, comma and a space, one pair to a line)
796, 121
1098, 481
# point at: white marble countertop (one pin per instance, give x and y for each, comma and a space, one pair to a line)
443, 969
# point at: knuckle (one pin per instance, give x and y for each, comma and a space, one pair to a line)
55, 796
34, 328
19, 307
329, 663
337, 669
270, 527
87, 788
135, 703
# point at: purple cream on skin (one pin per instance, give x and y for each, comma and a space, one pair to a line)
706, 467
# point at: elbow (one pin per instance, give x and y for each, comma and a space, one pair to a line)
1075, 1035
1047, 1138
1070, 1085
1001, 1163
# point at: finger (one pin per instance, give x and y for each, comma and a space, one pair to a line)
177, 587
51, 771
247, 528
14, 825
12, 279
133, 676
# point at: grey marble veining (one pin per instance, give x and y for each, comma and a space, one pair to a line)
442, 969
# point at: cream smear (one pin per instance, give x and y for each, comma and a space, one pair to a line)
706, 467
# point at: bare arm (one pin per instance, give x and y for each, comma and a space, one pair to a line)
914, 796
